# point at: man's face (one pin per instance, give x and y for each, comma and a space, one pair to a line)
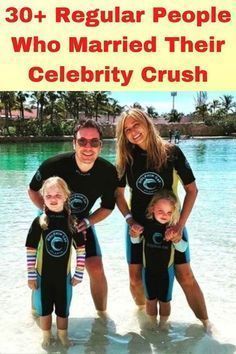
87, 147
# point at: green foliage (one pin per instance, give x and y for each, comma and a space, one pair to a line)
227, 122
174, 116
53, 129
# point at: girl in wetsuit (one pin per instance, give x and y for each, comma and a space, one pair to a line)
49, 246
158, 254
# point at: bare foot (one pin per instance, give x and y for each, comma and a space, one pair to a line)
63, 338
209, 328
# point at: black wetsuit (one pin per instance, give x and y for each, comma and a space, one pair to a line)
144, 183
99, 182
53, 263
158, 262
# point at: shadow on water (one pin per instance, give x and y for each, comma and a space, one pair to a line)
98, 336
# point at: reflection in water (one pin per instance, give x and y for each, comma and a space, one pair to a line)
182, 338
200, 151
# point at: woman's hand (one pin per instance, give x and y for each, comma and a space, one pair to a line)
174, 233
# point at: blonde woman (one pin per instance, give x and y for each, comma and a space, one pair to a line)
147, 164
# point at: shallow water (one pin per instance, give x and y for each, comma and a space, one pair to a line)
212, 229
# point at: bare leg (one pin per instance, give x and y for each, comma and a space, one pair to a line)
136, 285
164, 309
62, 325
192, 291
164, 314
151, 307
151, 310
45, 325
98, 282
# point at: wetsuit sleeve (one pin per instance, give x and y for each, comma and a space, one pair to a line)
110, 185
122, 181
34, 234
31, 244
80, 263
182, 167
31, 254
78, 239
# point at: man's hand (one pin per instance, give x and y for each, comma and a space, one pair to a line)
75, 281
135, 228
32, 284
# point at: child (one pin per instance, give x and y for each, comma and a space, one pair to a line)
49, 243
158, 255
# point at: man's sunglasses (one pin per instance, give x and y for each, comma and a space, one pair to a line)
92, 142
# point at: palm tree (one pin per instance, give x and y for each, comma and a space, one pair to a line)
114, 108
100, 100
75, 103
8, 100
52, 97
227, 103
137, 105
202, 111
214, 106
21, 98
201, 98
174, 116
151, 111
35, 97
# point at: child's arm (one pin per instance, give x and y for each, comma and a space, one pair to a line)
31, 270
80, 262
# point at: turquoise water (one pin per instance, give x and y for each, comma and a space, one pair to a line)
212, 229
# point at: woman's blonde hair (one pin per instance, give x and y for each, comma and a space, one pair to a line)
157, 148
60, 183
171, 197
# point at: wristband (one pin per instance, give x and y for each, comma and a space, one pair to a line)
87, 222
128, 216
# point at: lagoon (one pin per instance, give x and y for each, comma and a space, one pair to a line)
212, 229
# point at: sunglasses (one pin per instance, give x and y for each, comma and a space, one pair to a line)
92, 142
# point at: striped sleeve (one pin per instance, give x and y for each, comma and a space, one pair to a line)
80, 263
31, 263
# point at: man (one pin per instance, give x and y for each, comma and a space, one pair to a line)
89, 177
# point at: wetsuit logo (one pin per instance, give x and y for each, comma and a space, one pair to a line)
56, 243
187, 165
157, 238
78, 202
149, 183
38, 176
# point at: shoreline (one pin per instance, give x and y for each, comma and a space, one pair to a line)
65, 138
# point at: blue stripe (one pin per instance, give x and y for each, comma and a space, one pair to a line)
171, 273
144, 283
185, 237
97, 246
68, 293
36, 297
128, 244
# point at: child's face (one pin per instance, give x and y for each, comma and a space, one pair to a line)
54, 198
162, 211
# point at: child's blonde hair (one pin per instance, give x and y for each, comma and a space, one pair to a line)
60, 183
171, 197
